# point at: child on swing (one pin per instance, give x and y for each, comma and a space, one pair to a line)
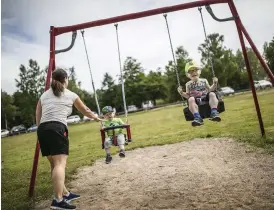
198, 89
109, 113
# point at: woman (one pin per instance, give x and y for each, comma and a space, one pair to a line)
51, 114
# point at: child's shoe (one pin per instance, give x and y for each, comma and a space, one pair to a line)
108, 159
197, 121
122, 153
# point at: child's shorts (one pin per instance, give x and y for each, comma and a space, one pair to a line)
109, 140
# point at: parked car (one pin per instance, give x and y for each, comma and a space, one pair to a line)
4, 133
32, 128
132, 108
262, 84
73, 119
147, 105
226, 91
86, 119
17, 130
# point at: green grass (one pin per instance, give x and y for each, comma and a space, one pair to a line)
156, 127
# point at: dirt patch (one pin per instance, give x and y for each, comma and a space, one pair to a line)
199, 174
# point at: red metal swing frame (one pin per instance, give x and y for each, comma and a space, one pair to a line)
56, 31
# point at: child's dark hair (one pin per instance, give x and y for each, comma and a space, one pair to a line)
59, 77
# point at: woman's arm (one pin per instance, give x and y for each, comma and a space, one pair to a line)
81, 107
38, 112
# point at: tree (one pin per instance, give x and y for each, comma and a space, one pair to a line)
31, 79
8, 110
212, 48
212, 51
72, 74
74, 86
108, 82
171, 81
134, 76
256, 68
223, 60
109, 92
30, 86
241, 77
240, 61
155, 86
89, 100
269, 54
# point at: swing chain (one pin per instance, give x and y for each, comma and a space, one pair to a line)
121, 72
174, 59
207, 41
95, 94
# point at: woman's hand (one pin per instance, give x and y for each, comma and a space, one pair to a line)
80, 106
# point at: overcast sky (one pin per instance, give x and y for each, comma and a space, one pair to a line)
25, 34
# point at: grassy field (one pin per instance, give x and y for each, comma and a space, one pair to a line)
156, 127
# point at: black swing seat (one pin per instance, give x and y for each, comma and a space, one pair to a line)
115, 143
204, 109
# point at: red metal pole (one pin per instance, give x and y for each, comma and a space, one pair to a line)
65, 29
129, 133
50, 69
103, 136
256, 51
238, 25
34, 169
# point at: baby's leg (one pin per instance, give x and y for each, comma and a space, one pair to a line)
121, 141
107, 145
121, 144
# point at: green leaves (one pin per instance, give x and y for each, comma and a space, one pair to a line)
141, 84
269, 54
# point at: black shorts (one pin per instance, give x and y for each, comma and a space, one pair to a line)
203, 98
53, 138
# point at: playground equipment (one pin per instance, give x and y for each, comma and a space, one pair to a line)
56, 31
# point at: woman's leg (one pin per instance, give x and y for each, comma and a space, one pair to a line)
65, 191
58, 174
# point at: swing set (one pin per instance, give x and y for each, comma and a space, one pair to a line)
56, 31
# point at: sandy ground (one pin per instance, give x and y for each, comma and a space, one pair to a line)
199, 174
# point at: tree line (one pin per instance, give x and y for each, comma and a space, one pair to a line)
159, 84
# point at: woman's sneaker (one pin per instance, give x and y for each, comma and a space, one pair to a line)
71, 197
61, 205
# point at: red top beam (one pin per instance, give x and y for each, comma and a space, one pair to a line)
66, 29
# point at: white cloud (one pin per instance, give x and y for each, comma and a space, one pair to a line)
145, 39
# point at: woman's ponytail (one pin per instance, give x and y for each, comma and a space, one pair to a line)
59, 77
57, 87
